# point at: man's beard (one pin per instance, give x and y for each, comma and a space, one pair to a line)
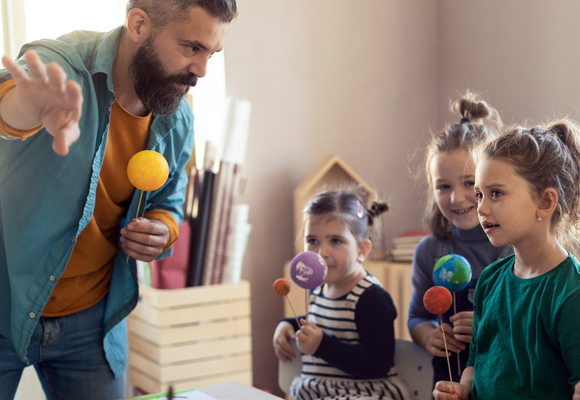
155, 89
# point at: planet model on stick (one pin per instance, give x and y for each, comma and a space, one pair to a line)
452, 271
308, 270
437, 300
282, 286
148, 170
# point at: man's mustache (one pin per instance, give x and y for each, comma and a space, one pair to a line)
190, 80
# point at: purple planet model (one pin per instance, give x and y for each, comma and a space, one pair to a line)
308, 270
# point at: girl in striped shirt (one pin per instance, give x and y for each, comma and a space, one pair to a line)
347, 339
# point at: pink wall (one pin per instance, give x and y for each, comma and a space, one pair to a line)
523, 55
356, 79
368, 80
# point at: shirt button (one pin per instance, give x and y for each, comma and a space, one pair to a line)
52, 278
32, 315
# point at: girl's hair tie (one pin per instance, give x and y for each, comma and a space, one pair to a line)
359, 209
377, 209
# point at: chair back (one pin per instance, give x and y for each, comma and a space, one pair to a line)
287, 370
415, 366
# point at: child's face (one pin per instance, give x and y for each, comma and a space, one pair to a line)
452, 177
507, 205
333, 240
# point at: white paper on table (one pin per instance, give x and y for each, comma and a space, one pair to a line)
189, 395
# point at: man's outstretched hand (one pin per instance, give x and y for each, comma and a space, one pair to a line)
43, 98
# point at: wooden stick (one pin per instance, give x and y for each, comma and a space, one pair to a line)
446, 352
136, 216
458, 354
293, 312
307, 308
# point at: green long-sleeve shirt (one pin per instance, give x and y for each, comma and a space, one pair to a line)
526, 333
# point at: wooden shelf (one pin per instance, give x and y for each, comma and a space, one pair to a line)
331, 171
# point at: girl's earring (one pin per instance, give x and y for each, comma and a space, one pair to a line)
539, 219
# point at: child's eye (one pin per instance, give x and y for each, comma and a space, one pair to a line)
496, 194
311, 241
469, 183
442, 187
336, 241
478, 196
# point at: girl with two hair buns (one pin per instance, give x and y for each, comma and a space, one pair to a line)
452, 219
347, 340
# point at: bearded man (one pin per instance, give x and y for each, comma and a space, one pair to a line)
73, 112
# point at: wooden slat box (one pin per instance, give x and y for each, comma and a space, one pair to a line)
190, 337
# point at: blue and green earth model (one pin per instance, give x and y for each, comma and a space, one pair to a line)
453, 272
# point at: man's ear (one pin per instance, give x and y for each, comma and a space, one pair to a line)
364, 248
547, 203
138, 25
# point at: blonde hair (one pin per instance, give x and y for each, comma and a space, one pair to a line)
547, 157
479, 122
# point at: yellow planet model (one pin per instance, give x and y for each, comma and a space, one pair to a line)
148, 170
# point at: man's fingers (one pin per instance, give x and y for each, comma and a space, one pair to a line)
74, 96
147, 226
138, 251
56, 77
142, 225
35, 66
18, 73
60, 145
64, 138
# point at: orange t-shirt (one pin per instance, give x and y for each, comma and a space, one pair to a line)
87, 276
7, 129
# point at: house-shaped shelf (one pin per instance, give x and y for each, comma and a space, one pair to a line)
331, 172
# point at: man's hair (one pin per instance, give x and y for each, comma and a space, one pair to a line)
162, 12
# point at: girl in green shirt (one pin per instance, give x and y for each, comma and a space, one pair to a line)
526, 316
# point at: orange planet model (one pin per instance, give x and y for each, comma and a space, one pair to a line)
437, 300
148, 170
282, 286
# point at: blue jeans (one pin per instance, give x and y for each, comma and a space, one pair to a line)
68, 355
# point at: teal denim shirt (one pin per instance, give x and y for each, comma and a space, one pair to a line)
47, 200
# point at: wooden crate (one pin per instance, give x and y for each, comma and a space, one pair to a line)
190, 337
